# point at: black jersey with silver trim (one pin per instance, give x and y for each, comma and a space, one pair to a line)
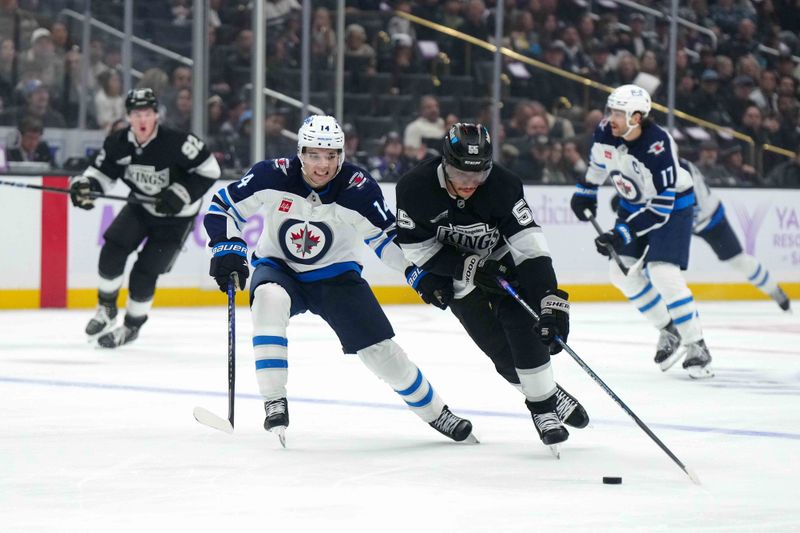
169, 157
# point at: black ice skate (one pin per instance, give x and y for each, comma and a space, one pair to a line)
551, 430
781, 299
668, 350
454, 427
277, 419
126, 333
103, 320
569, 410
698, 360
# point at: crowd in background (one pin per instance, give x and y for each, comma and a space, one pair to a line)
405, 83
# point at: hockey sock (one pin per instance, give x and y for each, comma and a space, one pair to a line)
270, 311
389, 362
754, 271
108, 289
537, 383
670, 283
137, 310
641, 293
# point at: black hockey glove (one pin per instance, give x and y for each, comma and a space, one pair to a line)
554, 319
614, 239
432, 288
483, 273
80, 189
615, 200
229, 257
172, 200
584, 198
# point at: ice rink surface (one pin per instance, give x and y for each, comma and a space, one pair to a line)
105, 441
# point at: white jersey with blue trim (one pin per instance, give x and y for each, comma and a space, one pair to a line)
645, 172
707, 201
314, 233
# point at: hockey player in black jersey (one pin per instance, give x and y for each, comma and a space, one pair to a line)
464, 221
176, 169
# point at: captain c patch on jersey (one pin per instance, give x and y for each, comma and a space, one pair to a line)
473, 238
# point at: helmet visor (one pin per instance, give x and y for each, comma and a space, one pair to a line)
465, 178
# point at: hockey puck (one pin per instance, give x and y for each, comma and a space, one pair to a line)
608, 480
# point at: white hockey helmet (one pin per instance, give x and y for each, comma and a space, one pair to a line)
321, 131
630, 99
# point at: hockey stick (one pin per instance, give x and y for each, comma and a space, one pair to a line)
614, 255
689, 472
202, 415
91, 194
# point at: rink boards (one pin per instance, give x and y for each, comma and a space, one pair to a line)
50, 249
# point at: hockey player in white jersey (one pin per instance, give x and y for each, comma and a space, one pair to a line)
655, 218
318, 209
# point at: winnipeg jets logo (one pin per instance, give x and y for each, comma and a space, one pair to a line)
304, 242
357, 180
282, 164
625, 186
657, 148
473, 238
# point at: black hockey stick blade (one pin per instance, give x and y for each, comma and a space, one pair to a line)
93, 194
688, 471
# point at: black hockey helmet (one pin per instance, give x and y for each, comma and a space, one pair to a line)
468, 147
141, 98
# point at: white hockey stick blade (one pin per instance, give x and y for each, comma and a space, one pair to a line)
693, 476
207, 418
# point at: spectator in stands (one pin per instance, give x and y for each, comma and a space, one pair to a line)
741, 174
523, 37
37, 104
7, 54
31, 146
727, 15
787, 174
766, 96
556, 169
451, 14
180, 116
403, 60
536, 128
278, 11
576, 60
323, 39
740, 99
428, 125
15, 21
515, 127
400, 25
601, 69
715, 174
40, 60
60, 36
475, 24
237, 66
353, 150
559, 127
180, 79
707, 102
748, 66
744, 43
450, 120
532, 159
108, 100
684, 94
391, 163
627, 69
360, 55
639, 41
157, 80
753, 125
275, 143
590, 122
575, 165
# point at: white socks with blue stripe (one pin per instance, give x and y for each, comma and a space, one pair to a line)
671, 285
641, 293
754, 272
270, 311
389, 362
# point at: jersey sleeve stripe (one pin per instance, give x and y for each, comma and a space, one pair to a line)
223, 193
382, 245
420, 253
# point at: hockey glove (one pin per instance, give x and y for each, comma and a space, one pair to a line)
483, 273
229, 257
554, 319
614, 239
585, 197
172, 200
432, 288
80, 191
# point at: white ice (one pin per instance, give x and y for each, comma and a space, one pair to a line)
105, 441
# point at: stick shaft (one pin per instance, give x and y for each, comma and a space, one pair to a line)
129, 199
231, 345
614, 255
510, 290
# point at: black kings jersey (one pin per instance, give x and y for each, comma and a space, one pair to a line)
169, 157
436, 230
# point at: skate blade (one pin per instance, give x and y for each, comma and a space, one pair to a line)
280, 432
554, 449
700, 372
471, 439
670, 361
